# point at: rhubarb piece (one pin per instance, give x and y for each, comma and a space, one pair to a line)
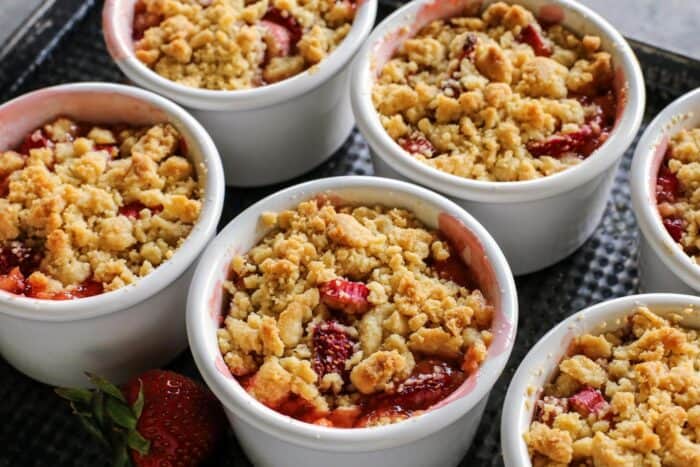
344, 295
277, 38
287, 21
332, 347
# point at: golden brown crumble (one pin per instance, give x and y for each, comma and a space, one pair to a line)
92, 204
678, 191
337, 307
624, 398
498, 96
229, 45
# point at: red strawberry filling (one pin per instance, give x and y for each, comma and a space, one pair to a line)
587, 138
344, 295
675, 227
286, 21
332, 347
277, 38
531, 36
133, 209
35, 140
589, 401
469, 47
417, 144
143, 20
667, 187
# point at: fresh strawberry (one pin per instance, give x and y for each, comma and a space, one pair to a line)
531, 36
332, 347
159, 419
589, 401
344, 295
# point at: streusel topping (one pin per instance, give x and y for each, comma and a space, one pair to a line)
678, 191
86, 209
351, 316
624, 398
229, 45
497, 97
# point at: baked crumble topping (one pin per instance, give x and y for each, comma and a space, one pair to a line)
86, 209
678, 191
229, 45
351, 316
498, 96
624, 398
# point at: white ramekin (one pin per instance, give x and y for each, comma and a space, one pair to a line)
536, 222
439, 437
141, 326
541, 362
663, 265
268, 134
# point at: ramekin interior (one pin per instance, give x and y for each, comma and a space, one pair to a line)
114, 103
406, 21
117, 19
205, 307
540, 364
683, 113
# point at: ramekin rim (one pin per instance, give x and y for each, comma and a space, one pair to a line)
126, 297
245, 406
480, 190
258, 97
513, 445
647, 215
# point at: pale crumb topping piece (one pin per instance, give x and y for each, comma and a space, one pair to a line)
348, 316
498, 96
623, 398
230, 45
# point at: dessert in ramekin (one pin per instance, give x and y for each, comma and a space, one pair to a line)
101, 226
247, 72
519, 111
664, 179
313, 324
615, 384
87, 209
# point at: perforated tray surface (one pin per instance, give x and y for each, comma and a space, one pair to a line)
63, 43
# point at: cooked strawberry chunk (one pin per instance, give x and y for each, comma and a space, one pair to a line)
667, 187
531, 36
13, 282
287, 21
35, 140
560, 144
143, 20
430, 382
348, 296
332, 347
133, 209
675, 227
589, 401
417, 144
277, 38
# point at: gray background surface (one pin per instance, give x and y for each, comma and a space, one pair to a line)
670, 24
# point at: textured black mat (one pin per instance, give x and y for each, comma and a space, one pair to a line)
65, 44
